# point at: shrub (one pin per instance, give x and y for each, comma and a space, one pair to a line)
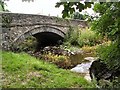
60, 60
110, 54
88, 37
82, 37
71, 37
88, 49
29, 44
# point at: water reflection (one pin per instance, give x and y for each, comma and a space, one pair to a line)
80, 57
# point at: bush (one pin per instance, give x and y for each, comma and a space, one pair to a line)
115, 83
82, 37
71, 37
88, 49
60, 60
110, 54
89, 38
29, 44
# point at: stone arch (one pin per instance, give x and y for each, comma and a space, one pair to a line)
39, 29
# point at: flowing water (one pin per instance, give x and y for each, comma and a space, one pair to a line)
83, 61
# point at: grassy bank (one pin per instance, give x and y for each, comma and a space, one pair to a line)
22, 70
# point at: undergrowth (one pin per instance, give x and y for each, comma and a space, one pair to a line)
82, 37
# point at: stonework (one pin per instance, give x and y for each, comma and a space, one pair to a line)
16, 27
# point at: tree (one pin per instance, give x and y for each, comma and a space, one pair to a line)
108, 24
70, 7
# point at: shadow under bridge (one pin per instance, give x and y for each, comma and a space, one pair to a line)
49, 37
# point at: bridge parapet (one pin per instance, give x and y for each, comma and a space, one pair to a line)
32, 19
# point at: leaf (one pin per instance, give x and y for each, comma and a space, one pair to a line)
71, 4
58, 4
88, 4
80, 7
113, 32
72, 10
65, 13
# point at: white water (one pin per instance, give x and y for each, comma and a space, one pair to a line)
84, 67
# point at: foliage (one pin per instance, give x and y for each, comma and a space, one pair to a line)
101, 7
115, 83
82, 38
29, 44
69, 7
72, 36
90, 49
61, 61
21, 70
77, 15
108, 23
110, 55
88, 37
2, 6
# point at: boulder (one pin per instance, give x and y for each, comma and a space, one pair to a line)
99, 70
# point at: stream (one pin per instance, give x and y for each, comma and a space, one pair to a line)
82, 62
83, 68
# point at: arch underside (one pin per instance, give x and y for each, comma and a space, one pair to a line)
45, 35
48, 39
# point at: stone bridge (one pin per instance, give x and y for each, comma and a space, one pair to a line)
47, 29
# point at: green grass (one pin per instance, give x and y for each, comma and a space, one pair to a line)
21, 70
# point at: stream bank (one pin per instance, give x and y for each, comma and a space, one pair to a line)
62, 57
77, 61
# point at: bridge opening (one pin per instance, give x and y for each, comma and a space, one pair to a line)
47, 39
